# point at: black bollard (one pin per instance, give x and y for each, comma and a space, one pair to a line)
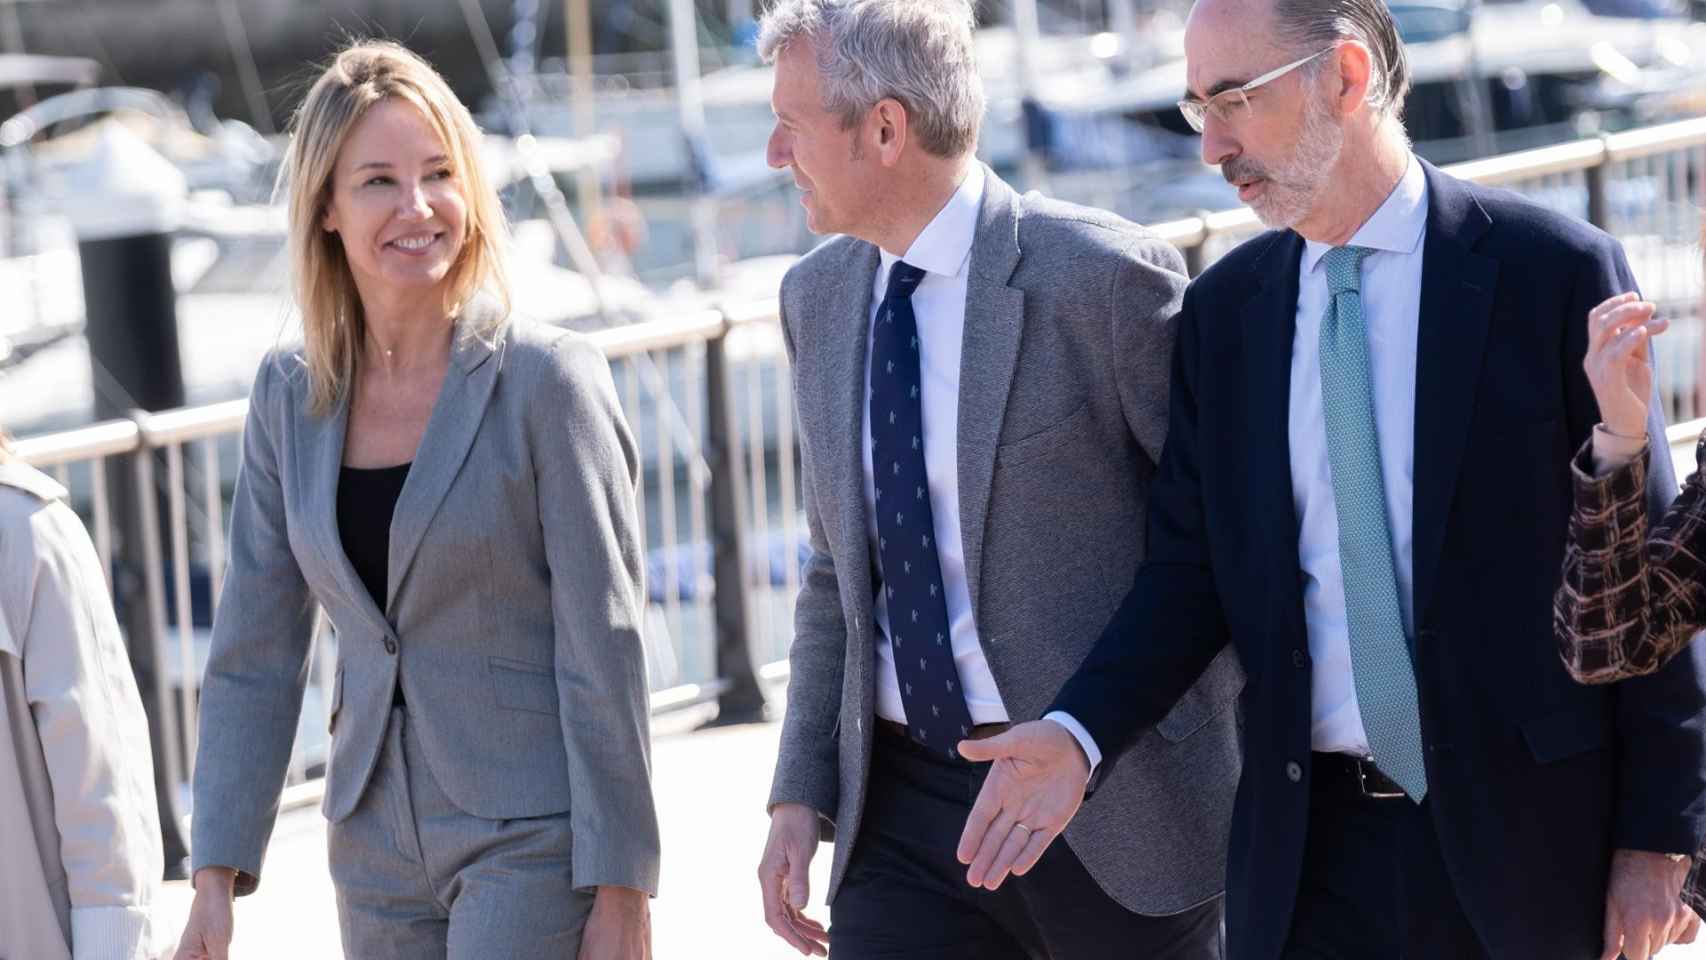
124, 201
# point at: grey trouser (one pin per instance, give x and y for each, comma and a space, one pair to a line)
417, 878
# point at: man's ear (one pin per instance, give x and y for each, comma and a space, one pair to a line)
891, 130
1356, 74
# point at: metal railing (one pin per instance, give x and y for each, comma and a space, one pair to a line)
709, 399
674, 381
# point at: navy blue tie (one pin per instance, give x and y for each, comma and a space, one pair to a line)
936, 713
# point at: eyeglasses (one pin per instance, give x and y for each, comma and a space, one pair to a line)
1221, 104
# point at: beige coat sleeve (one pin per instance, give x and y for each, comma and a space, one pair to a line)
93, 734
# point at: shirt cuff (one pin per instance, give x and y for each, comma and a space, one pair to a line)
1612, 451
111, 933
1085, 741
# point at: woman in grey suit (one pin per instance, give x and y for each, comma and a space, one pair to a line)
456, 490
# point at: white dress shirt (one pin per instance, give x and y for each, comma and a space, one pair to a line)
1391, 302
943, 251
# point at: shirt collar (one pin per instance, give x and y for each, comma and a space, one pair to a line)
944, 246
1396, 227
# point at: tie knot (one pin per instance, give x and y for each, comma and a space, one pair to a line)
904, 278
1344, 269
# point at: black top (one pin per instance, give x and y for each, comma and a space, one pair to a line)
366, 500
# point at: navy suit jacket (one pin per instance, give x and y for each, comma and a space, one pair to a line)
1534, 780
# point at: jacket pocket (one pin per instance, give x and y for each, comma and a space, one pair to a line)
1213, 693
1044, 441
524, 686
1561, 735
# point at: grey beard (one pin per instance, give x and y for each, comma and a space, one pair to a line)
1295, 184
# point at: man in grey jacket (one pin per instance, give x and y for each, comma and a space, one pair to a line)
981, 381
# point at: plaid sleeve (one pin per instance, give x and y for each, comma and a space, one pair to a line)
1629, 600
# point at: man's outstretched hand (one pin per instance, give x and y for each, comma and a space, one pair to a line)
1036, 783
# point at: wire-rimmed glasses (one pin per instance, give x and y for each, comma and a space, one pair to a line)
1223, 104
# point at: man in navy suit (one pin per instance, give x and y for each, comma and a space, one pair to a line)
1365, 490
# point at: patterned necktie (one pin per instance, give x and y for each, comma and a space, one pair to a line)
936, 712
1380, 654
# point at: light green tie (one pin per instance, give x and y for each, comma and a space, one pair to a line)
1380, 654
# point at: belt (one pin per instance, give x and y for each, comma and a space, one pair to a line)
982, 731
1345, 772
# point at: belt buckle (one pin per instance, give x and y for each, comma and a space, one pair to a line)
1362, 782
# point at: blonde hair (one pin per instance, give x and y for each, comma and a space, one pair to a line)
366, 73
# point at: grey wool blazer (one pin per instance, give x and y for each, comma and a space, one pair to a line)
1063, 407
511, 620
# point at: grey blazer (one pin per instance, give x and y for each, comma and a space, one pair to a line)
512, 615
1063, 407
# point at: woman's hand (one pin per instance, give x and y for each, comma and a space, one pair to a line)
207, 933
620, 926
1618, 363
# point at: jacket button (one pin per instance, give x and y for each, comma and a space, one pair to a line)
1293, 772
1299, 660
390, 646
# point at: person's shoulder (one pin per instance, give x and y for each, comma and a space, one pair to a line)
1255, 258
35, 520
1522, 226
557, 362
1071, 229
537, 343
24, 492
825, 263
281, 379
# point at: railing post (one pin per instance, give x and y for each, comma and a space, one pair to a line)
741, 701
1597, 176
1196, 255
139, 587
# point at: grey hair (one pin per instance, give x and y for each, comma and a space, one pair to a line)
1310, 25
919, 52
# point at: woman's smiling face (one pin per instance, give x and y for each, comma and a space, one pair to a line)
396, 202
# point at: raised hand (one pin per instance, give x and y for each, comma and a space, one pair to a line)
1036, 783
1618, 363
784, 878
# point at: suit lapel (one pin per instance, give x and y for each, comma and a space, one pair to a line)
450, 432
845, 337
320, 467
994, 324
1456, 308
1269, 321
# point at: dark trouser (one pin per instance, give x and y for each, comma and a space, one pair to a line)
905, 893
1374, 883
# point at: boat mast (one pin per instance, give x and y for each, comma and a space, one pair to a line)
578, 17
12, 36
1027, 39
690, 109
